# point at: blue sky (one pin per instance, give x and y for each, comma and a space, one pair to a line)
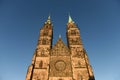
21, 20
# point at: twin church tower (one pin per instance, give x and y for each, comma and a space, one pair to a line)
60, 62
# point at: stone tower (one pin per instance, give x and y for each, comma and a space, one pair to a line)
60, 62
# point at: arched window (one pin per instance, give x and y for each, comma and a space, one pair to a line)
43, 41
41, 64
45, 33
73, 32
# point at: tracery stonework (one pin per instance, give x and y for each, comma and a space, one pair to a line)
60, 62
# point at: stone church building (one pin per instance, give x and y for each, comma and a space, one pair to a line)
61, 61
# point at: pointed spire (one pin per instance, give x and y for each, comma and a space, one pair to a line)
48, 20
49, 17
70, 19
59, 36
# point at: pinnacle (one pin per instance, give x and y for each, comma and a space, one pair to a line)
70, 19
48, 20
49, 17
59, 36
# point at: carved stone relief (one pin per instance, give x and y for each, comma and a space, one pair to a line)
60, 50
60, 65
44, 41
82, 63
75, 41
39, 75
77, 52
78, 63
79, 77
43, 52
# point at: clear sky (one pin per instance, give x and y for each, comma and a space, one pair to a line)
21, 20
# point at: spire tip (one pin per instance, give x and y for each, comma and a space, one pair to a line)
70, 19
59, 36
48, 20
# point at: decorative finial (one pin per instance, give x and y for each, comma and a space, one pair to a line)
48, 20
49, 17
70, 19
59, 36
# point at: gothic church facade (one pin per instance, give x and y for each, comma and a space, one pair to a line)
60, 62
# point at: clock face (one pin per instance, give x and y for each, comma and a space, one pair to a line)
60, 65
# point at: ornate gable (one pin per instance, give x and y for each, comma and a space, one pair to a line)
60, 49
60, 61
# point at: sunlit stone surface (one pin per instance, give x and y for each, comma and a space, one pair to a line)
60, 62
